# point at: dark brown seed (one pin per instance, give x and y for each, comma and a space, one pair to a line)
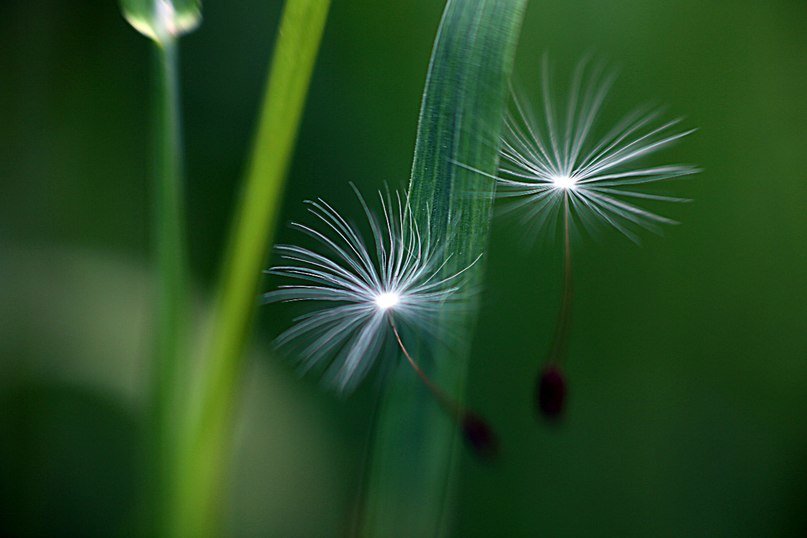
480, 436
550, 393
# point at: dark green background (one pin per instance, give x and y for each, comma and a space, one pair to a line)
688, 370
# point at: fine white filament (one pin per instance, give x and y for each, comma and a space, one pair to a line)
400, 272
545, 161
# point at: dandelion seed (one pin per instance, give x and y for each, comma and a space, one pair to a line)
551, 391
479, 436
366, 293
555, 169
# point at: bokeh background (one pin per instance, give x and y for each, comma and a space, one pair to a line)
688, 370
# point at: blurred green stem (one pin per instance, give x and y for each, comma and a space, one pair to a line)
170, 241
203, 450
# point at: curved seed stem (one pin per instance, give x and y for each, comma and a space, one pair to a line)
560, 342
451, 407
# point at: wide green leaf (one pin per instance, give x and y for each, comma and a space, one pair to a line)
411, 480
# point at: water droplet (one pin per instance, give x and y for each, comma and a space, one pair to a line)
162, 20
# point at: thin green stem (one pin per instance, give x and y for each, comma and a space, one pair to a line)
202, 459
169, 244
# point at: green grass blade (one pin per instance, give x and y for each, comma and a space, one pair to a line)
202, 459
411, 482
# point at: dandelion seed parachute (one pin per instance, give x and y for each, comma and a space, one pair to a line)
559, 157
555, 170
366, 292
359, 285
